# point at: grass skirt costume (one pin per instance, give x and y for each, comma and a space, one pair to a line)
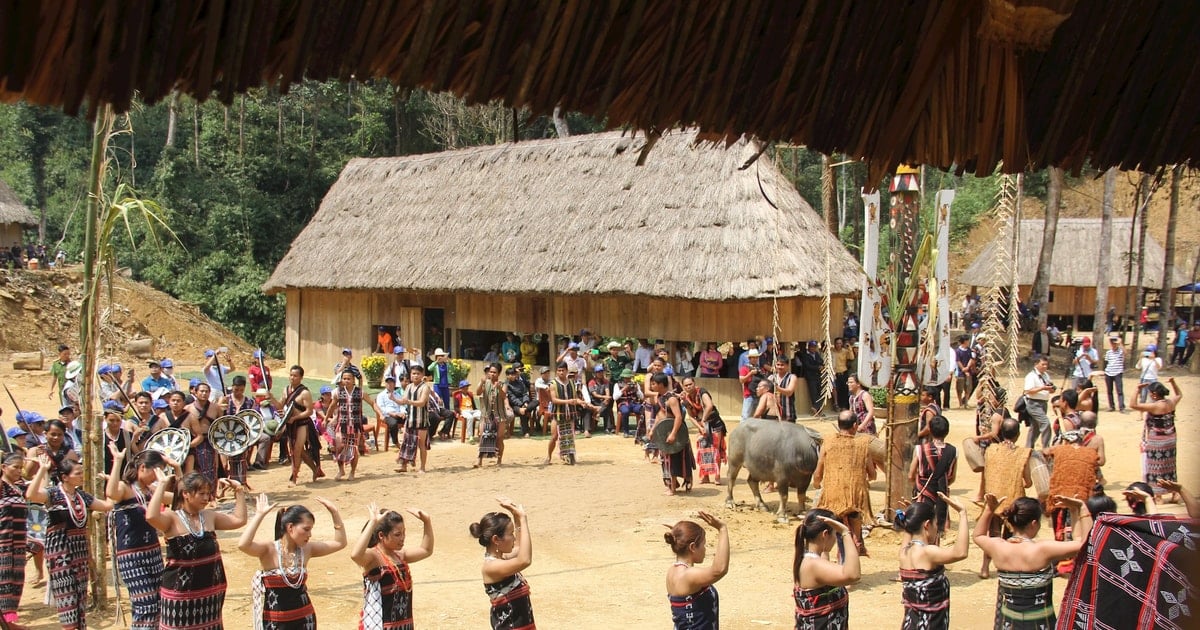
698, 611
67, 554
511, 608
823, 608
1025, 600
193, 584
1158, 450
281, 597
14, 512
139, 559
926, 596
387, 596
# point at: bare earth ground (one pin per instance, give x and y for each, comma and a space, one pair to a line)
599, 556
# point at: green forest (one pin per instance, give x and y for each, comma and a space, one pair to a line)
237, 183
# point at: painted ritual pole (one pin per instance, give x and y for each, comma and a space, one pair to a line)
905, 204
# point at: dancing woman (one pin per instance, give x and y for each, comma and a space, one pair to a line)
509, 550
495, 410
139, 555
1158, 435
193, 582
280, 589
820, 584
14, 511
387, 580
690, 589
926, 591
1025, 593
346, 414
710, 447
67, 550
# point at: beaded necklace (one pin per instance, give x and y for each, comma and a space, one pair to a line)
78, 516
297, 568
187, 522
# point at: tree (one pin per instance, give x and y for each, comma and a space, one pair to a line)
1102, 265
1166, 315
1040, 294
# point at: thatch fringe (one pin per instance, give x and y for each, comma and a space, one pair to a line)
11, 208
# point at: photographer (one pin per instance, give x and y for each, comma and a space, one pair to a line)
1037, 394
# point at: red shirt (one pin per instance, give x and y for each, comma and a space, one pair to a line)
744, 371
256, 378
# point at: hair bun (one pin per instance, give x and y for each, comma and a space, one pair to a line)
670, 538
475, 529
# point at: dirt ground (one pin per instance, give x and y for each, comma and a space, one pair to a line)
599, 555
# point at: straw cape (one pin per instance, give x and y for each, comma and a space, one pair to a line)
12, 210
572, 216
1076, 250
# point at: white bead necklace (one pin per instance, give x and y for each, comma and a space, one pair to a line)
78, 516
296, 569
187, 522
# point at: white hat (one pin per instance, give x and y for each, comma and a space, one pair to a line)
613, 344
439, 353
753, 352
73, 369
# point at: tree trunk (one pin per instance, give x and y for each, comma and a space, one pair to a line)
828, 202
560, 123
196, 132
1102, 266
1166, 313
1143, 214
172, 115
242, 129
1131, 254
1041, 281
1193, 279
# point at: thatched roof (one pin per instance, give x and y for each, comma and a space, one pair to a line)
11, 208
565, 217
1076, 252
947, 82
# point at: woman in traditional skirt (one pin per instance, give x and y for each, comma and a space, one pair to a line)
1158, 436
387, 580
566, 400
822, 602
280, 591
508, 551
1025, 594
193, 583
138, 552
346, 412
415, 441
926, 593
990, 410
14, 510
710, 447
692, 590
680, 464
861, 405
67, 550
496, 409
203, 456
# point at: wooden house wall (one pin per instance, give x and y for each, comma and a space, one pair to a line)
1081, 301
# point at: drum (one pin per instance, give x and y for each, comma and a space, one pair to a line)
171, 443
1039, 473
662, 430
254, 420
974, 454
878, 451
229, 435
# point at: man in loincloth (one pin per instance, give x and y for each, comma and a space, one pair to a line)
844, 472
565, 400
1006, 475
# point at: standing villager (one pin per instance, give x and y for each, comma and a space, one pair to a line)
785, 390
862, 406
1025, 593
843, 355
301, 432
1158, 435
203, 456
933, 468
990, 411
691, 589
1114, 373
1006, 475
813, 365
929, 410
14, 512
711, 361
192, 596
346, 414
280, 589
964, 366
236, 466
67, 550
495, 409
926, 591
1148, 367
565, 399
1084, 359
710, 446
680, 464
416, 428
822, 602
138, 552
1073, 475
1038, 389
844, 470
508, 546
387, 579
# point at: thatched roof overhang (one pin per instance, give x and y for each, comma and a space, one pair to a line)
1073, 262
570, 217
940, 82
12, 210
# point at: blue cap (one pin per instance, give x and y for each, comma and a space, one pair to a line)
464, 383
598, 368
668, 371
29, 417
16, 432
346, 351
113, 406
114, 367
1152, 347
194, 382
325, 389
572, 346
398, 350
769, 340
159, 404
208, 354
257, 354
102, 370
167, 363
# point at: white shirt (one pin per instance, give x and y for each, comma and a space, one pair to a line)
1032, 380
586, 346
1149, 367
388, 405
213, 380
617, 390
642, 357
1086, 359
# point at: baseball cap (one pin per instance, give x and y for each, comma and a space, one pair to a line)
812, 342
113, 406
975, 325
194, 382
325, 389
613, 344
1087, 341
66, 408
159, 404
346, 351
208, 354
598, 368
153, 364
584, 332
397, 349
167, 364
1152, 347
464, 383
16, 432
626, 373
572, 346
103, 369
390, 378
668, 370
257, 354
543, 370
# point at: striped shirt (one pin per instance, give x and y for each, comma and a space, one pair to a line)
1114, 362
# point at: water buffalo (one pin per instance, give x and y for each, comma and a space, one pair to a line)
781, 452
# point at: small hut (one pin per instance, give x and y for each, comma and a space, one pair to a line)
553, 236
1073, 276
14, 217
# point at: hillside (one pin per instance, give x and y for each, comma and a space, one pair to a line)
41, 310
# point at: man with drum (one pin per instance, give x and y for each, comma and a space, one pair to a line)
1005, 475
230, 404
297, 411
